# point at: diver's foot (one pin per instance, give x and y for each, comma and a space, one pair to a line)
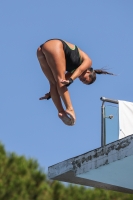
71, 115
65, 118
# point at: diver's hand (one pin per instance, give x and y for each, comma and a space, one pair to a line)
46, 96
67, 82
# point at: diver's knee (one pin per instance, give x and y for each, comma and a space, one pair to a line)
39, 53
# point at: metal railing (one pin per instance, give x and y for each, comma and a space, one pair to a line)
103, 132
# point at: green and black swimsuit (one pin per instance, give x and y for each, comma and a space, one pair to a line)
73, 59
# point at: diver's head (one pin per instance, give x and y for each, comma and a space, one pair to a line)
89, 76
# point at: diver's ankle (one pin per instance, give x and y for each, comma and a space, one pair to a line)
70, 108
61, 111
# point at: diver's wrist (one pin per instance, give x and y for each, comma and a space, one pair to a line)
70, 80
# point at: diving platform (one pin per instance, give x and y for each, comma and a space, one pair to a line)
109, 167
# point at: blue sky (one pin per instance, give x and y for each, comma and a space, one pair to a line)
104, 30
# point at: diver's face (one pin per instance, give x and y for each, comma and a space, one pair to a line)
85, 77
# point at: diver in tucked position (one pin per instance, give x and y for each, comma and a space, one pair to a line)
63, 62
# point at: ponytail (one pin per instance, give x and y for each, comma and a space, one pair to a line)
97, 71
100, 71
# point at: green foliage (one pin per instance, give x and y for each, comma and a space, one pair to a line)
74, 192
23, 179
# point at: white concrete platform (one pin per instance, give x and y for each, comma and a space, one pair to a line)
109, 167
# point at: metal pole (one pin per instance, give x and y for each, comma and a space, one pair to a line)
109, 100
103, 136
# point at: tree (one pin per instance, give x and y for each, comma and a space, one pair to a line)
21, 178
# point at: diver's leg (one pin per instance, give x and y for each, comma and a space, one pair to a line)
55, 57
53, 86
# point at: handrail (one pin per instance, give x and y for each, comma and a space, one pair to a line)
109, 100
103, 134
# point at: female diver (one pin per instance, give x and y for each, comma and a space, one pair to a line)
63, 62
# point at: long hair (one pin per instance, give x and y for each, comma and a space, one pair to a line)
97, 71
